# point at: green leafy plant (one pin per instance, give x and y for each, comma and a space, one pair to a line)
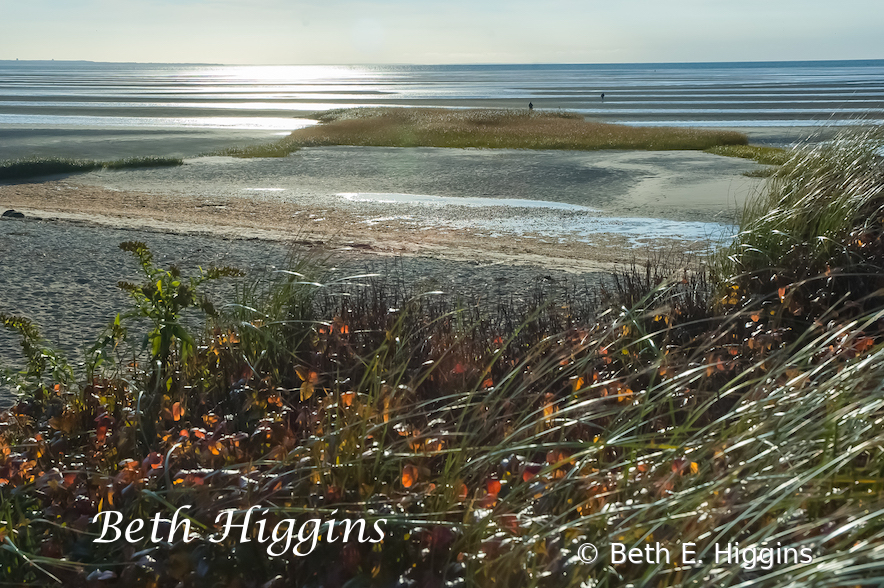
162, 298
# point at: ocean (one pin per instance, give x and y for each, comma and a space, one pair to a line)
87, 109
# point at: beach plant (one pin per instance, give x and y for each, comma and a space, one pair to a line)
770, 157
163, 297
273, 315
280, 148
817, 197
497, 128
814, 236
493, 455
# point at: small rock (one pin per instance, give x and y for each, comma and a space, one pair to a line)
13, 214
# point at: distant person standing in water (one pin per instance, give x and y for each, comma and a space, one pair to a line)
603, 95
530, 106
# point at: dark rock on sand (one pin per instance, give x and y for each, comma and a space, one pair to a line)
13, 214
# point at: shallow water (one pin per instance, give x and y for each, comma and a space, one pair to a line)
687, 92
531, 218
117, 143
561, 187
58, 99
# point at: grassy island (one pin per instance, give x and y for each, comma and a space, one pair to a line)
737, 405
484, 128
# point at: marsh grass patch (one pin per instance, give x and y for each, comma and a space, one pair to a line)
483, 128
759, 154
18, 169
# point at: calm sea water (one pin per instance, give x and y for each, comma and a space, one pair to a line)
44, 101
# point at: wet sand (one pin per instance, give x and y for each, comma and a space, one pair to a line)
573, 212
335, 230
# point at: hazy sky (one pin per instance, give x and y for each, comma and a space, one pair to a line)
429, 31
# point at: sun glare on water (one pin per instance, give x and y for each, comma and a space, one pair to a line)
284, 74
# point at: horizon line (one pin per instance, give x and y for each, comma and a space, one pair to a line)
401, 64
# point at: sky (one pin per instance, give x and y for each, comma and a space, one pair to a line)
431, 31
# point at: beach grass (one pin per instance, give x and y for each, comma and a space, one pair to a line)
818, 207
485, 129
18, 169
733, 405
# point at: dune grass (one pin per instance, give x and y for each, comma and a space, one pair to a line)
483, 128
821, 208
741, 406
17, 169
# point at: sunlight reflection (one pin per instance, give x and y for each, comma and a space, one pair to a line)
285, 73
